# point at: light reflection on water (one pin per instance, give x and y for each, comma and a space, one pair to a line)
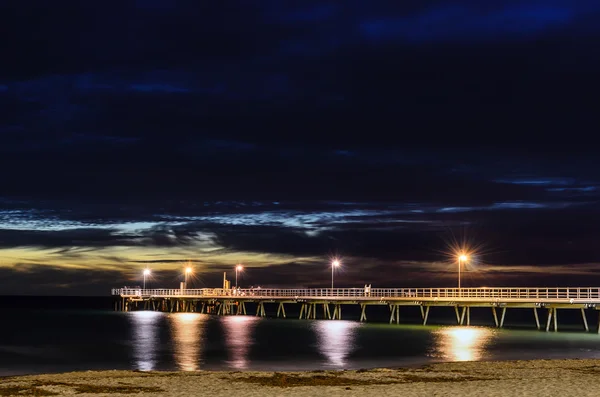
238, 339
187, 333
145, 338
339, 344
461, 343
335, 340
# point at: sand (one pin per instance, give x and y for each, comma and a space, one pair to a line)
504, 378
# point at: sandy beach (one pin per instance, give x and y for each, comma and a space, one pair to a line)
503, 378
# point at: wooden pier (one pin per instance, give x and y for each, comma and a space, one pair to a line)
499, 300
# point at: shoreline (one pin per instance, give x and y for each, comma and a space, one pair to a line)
411, 364
466, 378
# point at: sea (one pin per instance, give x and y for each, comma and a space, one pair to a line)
61, 334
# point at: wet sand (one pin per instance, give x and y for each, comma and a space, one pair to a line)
502, 378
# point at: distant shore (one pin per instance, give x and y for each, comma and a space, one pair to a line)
491, 378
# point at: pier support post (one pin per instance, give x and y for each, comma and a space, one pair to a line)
502, 317
281, 309
585, 323
457, 314
598, 322
326, 312
202, 308
548, 322
555, 319
468, 315
462, 315
537, 318
314, 311
308, 312
426, 315
260, 310
394, 315
495, 315
363, 315
337, 311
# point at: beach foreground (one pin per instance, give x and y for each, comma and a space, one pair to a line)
503, 378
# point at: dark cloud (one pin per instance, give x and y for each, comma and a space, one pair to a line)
152, 132
58, 239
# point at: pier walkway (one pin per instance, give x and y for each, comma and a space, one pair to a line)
233, 301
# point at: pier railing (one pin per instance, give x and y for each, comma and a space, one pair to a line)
467, 293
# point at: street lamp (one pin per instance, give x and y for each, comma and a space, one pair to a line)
238, 268
188, 271
334, 264
461, 259
146, 274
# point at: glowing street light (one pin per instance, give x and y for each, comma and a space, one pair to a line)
334, 264
462, 258
188, 271
238, 268
146, 274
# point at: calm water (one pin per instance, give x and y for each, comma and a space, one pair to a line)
48, 340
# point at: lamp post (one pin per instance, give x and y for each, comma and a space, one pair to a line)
188, 271
146, 274
238, 268
461, 258
334, 264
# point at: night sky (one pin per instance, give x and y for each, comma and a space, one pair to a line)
282, 134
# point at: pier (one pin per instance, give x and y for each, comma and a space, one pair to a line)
327, 303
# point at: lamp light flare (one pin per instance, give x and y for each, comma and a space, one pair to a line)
335, 263
462, 258
186, 273
238, 269
146, 273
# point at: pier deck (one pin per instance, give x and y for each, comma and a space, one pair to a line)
233, 301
